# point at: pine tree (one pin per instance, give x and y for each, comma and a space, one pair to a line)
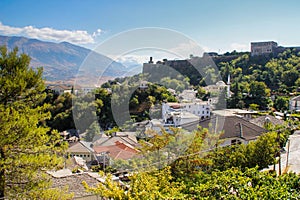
27, 148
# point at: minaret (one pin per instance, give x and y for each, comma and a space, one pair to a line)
228, 86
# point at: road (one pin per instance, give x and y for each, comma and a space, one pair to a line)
293, 153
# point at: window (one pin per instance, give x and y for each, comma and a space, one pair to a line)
235, 141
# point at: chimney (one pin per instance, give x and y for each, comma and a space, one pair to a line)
151, 61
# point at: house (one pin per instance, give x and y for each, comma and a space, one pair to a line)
234, 129
185, 120
60, 89
198, 108
124, 137
215, 88
71, 135
143, 85
294, 103
246, 114
119, 150
82, 149
73, 181
263, 120
263, 48
187, 95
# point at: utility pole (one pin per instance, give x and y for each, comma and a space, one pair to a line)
279, 164
287, 155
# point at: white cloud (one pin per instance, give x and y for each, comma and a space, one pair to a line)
97, 33
132, 60
187, 48
46, 33
239, 47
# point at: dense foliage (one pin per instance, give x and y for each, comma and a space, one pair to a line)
27, 148
205, 173
254, 79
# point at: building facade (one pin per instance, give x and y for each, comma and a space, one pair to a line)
200, 109
294, 103
263, 48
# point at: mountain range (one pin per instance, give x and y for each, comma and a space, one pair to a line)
62, 61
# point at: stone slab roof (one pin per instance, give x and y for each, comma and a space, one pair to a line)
233, 126
261, 120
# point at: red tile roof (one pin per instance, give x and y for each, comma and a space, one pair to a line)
118, 151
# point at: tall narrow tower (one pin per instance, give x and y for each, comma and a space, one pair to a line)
228, 86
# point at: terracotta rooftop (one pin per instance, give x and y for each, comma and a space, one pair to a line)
118, 151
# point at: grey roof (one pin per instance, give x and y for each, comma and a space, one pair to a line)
74, 183
88, 145
125, 137
82, 146
260, 121
297, 98
233, 126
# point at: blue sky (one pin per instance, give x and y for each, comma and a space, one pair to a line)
217, 25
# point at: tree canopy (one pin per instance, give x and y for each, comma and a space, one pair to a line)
27, 148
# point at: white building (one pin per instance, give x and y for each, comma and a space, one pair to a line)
60, 89
143, 85
187, 95
200, 109
294, 103
261, 48
216, 88
185, 120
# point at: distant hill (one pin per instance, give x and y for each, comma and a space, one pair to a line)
61, 61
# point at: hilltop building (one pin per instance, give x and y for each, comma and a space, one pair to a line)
261, 48
269, 48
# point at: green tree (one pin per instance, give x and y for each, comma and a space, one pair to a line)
26, 147
92, 131
259, 93
156, 184
236, 184
260, 153
61, 111
236, 99
290, 77
281, 103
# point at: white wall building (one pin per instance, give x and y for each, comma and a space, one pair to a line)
200, 109
294, 103
185, 120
